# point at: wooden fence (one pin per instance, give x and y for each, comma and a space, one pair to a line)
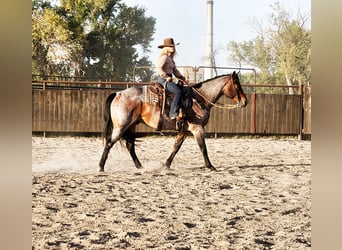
307, 111
81, 110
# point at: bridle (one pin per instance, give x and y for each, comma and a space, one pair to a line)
221, 105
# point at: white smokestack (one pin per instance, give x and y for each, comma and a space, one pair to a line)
209, 55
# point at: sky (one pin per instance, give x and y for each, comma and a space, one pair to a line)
185, 21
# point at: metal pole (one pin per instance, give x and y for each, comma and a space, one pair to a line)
208, 73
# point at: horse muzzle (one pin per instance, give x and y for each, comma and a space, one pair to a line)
242, 103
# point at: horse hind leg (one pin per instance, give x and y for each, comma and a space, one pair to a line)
130, 145
110, 141
105, 153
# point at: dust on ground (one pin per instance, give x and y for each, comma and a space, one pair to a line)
260, 197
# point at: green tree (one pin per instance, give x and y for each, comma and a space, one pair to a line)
257, 53
51, 39
292, 44
112, 43
103, 38
282, 52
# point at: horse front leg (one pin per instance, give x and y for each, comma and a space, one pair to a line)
178, 143
130, 137
199, 136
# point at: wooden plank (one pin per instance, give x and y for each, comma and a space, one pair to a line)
82, 111
307, 110
278, 114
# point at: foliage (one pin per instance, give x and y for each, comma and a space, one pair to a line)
50, 36
90, 38
282, 53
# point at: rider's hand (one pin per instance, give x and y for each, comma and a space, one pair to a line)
186, 80
169, 79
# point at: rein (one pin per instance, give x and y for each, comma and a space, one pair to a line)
218, 105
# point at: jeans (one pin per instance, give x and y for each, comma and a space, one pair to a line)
174, 89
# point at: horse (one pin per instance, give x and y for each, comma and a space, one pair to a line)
125, 109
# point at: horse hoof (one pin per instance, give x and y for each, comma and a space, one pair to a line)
212, 168
166, 165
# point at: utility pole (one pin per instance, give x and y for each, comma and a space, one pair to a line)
209, 55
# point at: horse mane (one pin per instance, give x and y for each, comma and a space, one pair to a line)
198, 85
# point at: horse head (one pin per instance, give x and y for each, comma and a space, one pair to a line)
234, 90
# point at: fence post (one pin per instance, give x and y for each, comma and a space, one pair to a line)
253, 113
301, 123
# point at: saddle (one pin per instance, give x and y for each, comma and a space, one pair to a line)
156, 94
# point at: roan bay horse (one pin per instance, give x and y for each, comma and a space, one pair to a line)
125, 109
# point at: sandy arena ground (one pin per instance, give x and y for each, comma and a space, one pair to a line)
258, 199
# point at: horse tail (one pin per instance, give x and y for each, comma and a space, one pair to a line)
108, 128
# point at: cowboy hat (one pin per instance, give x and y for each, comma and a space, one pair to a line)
168, 42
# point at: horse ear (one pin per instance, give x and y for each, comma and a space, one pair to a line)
234, 73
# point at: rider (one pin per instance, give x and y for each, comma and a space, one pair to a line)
165, 68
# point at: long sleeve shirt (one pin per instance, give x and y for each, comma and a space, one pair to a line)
166, 67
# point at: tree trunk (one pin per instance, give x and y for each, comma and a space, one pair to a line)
289, 82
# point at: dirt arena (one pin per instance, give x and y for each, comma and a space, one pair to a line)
258, 199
